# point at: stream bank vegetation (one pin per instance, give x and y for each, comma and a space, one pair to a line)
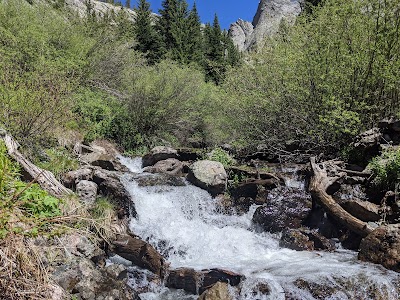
313, 87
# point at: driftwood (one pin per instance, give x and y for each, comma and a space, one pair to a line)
46, 179
319, 184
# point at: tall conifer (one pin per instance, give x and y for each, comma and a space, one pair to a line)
148, 40
194, 39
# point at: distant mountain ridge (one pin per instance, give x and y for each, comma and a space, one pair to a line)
265, 23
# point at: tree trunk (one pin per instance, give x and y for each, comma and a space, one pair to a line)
319, 184
46, 179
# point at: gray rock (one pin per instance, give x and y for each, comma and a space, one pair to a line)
170, 166
158, 153
70, 179
87, 191
240, 31
266, 22
208, 175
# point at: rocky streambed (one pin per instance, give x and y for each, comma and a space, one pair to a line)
189, 229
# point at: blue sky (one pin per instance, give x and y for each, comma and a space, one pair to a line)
228, 11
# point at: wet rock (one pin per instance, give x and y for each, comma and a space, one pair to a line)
382, 246
158, 153
70, 179
363, 210
185, 279
87, 191
140, 253
196, 282
285, 208
304, 239
257, 189
218, 291
110, 185
159, 179
295, 240
208, 175
170, 166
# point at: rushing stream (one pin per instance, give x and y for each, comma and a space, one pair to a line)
184, 224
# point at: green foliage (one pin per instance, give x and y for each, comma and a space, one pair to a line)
148, 40
386, 170
320, 82
41, 61
59, 161
24, 208
222, 156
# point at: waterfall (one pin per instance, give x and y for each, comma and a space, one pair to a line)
186, 226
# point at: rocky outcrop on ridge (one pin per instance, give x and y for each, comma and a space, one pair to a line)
98, 7
267, 19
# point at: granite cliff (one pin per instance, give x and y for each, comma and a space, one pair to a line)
269, 15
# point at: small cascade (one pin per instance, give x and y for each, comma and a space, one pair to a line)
185, 225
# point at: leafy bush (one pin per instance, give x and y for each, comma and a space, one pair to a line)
59, 161
386, 170
222, 156
24, 207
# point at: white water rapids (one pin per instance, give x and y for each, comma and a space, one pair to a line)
185, 225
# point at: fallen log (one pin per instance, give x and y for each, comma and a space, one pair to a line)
44, 178
319, 184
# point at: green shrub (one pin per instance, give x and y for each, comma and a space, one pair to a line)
222, 156
386, 170
24, 207
59, 161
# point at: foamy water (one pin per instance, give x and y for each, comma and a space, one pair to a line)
185, 225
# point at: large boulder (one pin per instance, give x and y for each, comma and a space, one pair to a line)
170, 166
158, 153
382, 246
110, 185
285, 208
208, 175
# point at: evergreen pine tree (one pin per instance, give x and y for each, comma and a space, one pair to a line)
180, 33
148, 40
194, 39
167, 14
214, 64
232, 53
128, 4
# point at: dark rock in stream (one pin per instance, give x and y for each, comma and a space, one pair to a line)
285, 208
219, 291
140, 253
382, 246
196, 282
304, 239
